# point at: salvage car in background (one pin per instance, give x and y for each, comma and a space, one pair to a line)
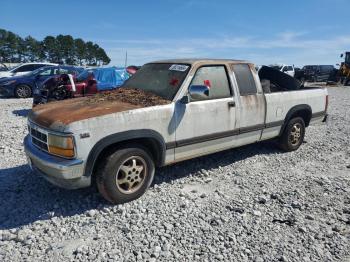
24, 69
24, 86
88, 82
169, 111
317, 73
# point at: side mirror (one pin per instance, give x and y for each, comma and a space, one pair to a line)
341, 55
198, 92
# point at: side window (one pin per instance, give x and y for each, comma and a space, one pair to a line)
24, 68
245, 79
216, 78
289, 68
46, 72
64, 71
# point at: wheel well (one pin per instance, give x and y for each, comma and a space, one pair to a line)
303, 111
305, 114
150, 144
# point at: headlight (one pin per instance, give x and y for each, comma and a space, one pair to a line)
8, 82
61, 145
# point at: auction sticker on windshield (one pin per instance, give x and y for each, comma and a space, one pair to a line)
181, 68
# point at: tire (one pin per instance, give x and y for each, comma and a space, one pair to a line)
23, 91
347, 82
118, 174
293, 135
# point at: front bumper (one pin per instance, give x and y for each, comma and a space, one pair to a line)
66, 173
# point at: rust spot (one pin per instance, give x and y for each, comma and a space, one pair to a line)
72, 110
250, 100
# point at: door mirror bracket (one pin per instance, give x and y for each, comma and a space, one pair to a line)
185, 100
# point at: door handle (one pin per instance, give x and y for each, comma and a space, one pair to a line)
232, 104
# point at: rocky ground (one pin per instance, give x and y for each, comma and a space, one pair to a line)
254, 203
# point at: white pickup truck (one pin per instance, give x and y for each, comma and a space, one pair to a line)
167, 112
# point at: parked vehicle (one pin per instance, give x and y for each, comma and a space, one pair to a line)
344, 70
3, 67
167, 112
24, 86
288, 69
24, 69
88, 82
317, 73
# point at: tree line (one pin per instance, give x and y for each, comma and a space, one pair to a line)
62, 49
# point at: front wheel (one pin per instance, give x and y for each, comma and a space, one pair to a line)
23, 91
293, 135
125, 174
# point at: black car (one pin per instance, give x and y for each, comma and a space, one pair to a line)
318, 73
25, 85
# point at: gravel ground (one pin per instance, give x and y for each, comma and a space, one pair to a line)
253, 203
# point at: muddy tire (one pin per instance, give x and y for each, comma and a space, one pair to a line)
125, 174
23, 91
293, 135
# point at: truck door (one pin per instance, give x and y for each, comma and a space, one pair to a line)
251, 106
207, 125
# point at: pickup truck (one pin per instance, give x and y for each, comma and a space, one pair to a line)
169, 111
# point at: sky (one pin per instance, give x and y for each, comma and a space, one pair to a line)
266, 32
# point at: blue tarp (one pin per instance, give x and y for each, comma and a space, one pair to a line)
110, 77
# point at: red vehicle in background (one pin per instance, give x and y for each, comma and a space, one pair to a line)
88, 82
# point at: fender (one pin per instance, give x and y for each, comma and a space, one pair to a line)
120, 137
294, 110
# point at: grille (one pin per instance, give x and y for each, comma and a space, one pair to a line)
39, 137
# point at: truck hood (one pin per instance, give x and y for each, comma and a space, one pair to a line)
57, 115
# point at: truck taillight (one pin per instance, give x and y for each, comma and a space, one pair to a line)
326, 106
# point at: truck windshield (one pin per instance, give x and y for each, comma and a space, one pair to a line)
163, 80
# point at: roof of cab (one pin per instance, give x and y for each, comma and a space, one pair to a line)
201, 60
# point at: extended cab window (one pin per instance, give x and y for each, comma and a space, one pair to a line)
216, 78
245, 79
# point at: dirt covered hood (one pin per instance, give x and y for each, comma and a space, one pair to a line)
55, 114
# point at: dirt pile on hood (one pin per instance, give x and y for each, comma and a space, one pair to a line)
129, 95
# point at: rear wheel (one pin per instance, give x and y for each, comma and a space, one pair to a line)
23, 91
125, 175
293, 135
